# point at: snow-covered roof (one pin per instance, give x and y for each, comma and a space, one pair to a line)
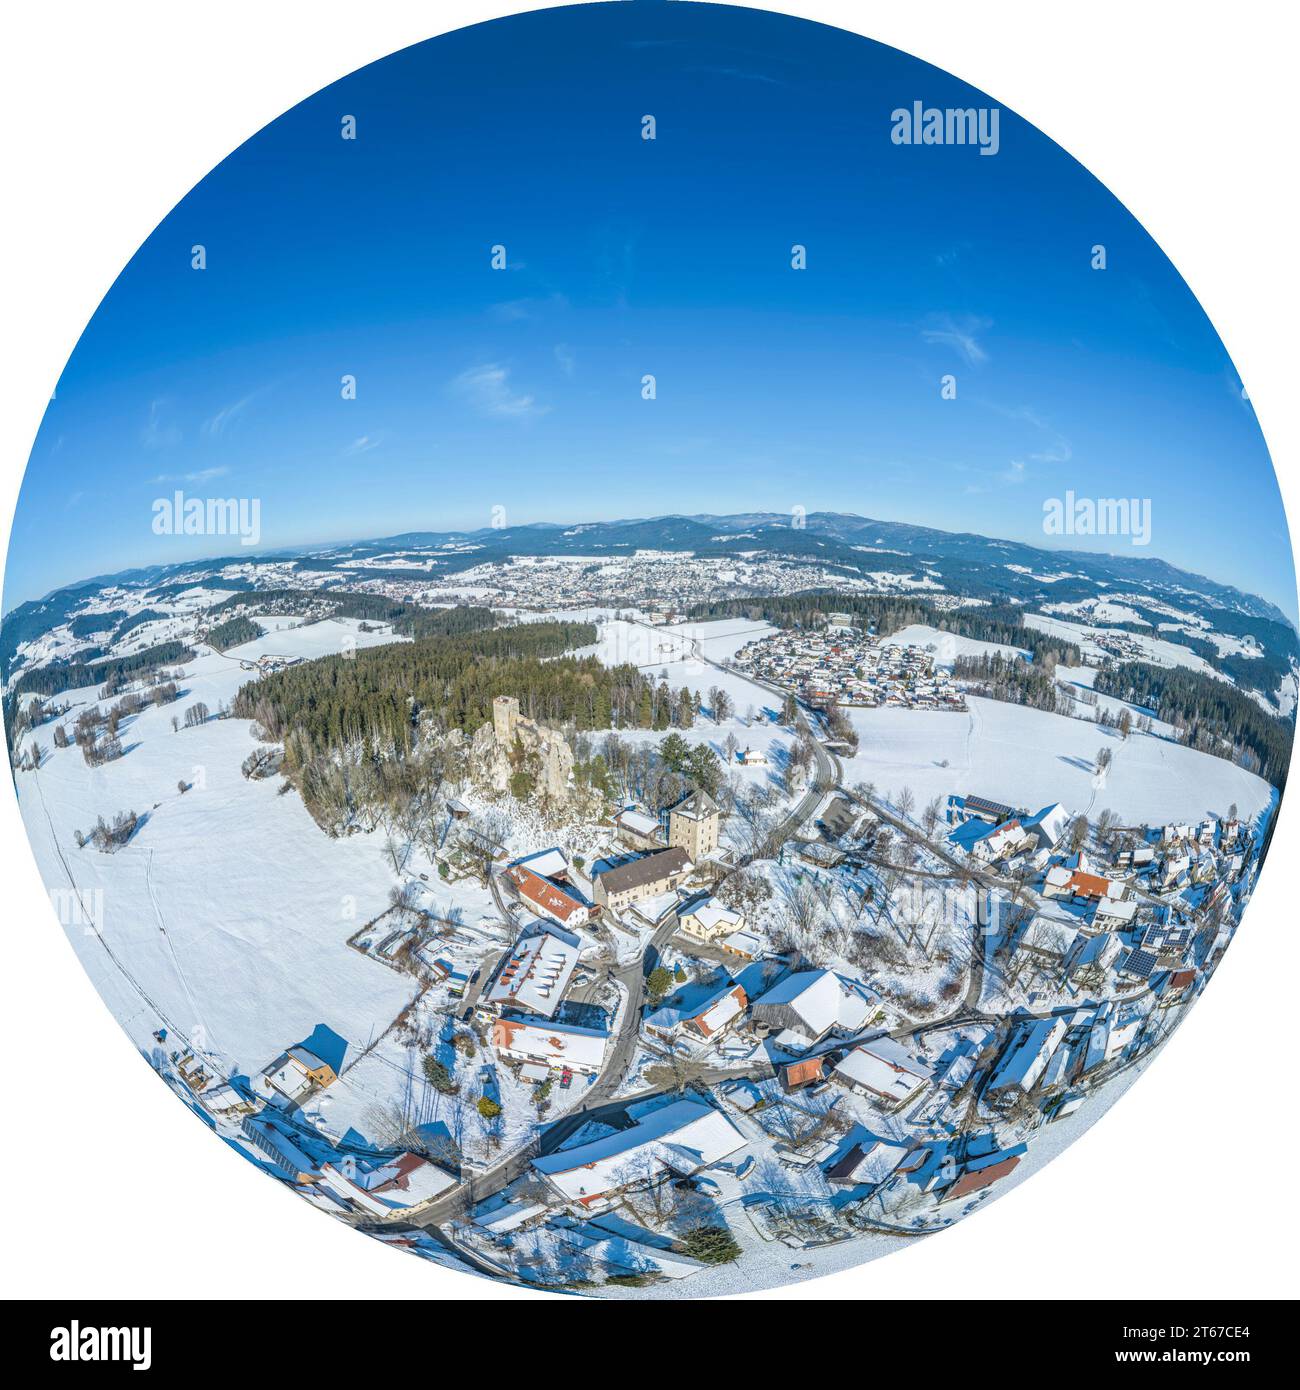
557, 1042
710, 915
823, 1000
886, 1068
685, 1135
868, 1161
1117, 910
710, 1015
744, 943
727, 1007
547, 862
618, 1249
535, 973
500, 1217
407, 1180
1049, 823
1023, 1062
637, 822
286, 1074
698, 805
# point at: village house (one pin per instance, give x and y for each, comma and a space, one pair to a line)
884, 1070
839, 817
638, 829
534, 974
553, 1044
1114, 914
1137, 964
821, 856
281, 1147
395, 1187
744, 945
677, 1139
647, 877
1092, 956
227, 1100
962, 1167
706, 919
1168, 939
808, 1072
614, 1250
868, 1163
1173, 872
1047, 826
1080, 886
294, 1073
983, 809
1177, 987
808, 1005
1139, 858
1025, 1059
694, 825
706, 1019
990, 843
980, 1172
545, 895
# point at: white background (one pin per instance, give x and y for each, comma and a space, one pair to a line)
113, 112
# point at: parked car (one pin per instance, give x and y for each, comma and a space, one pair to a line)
566, 1079
746, 1168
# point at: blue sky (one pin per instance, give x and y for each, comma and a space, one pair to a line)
522, 387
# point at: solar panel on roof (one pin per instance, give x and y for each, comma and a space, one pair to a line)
1140, 962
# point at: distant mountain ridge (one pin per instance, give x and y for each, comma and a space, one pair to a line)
837, 538
965, 563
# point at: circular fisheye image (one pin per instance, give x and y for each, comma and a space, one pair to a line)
649, 650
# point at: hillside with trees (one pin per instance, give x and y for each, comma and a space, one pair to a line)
234, 632
1212, 715
370, 710
407, 619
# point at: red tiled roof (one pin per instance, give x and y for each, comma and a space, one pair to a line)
800, 1073
981, 1178
545, 894
1088, 885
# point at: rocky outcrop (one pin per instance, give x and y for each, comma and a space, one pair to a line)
537, 758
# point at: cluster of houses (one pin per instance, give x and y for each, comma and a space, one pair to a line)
841, 665
645, 882
1112, 919
362, 1184
1102, 939
261, 1115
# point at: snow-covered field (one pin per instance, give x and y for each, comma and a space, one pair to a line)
228, 908
680, 650
1030, 758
